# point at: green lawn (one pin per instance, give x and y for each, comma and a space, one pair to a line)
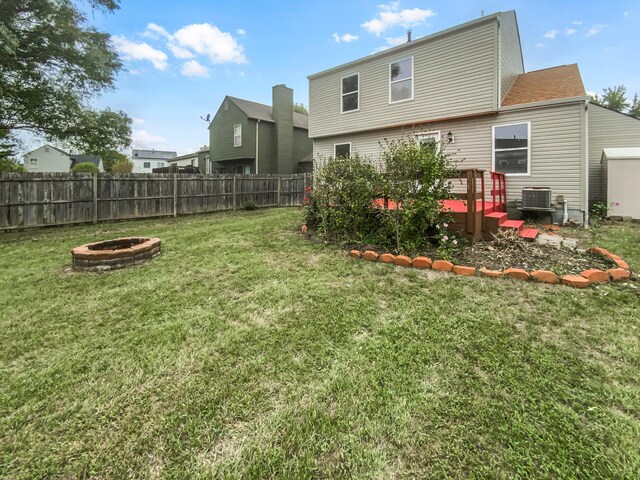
244, 351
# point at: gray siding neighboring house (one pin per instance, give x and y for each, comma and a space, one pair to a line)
144, 161
250, 137
469, 80
47, 159
198, 159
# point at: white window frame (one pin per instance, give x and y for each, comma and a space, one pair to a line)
342, 143
159, 164
493, 148
357, 74
403, 80
33, 161
431, 134
144, 164
237, 137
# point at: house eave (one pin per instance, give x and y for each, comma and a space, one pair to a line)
418, 123
543, 103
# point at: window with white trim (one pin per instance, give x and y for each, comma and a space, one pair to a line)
350, 93
429, 139
512, 148
401, 80
146, 165
34, 161
342, 150
160, 164
237, 135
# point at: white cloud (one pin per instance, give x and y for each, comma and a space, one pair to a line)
155, 31
138, 121
626, 14
577, 22
144, 139
346, 38
390, 16
393, 41
569, 31
595, 29
140, 51
241, 31
551, 34
379, 49
206, 39
194, 69
591, 93
539, 45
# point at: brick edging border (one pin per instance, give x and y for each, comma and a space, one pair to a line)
584, 280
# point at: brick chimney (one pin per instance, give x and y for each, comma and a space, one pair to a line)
283, 117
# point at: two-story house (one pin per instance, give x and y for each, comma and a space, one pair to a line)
144, 161
467, 86
249, 137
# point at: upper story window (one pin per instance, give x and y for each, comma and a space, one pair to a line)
146, 165
342, 150
34, 161
512, 148
237, 135
401, 80
350, 93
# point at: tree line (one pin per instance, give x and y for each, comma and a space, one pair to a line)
615, 98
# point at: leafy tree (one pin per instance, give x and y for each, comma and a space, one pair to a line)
85, 167
615, 99
300, 108
51, 65
110, 158
122, 166
634, 110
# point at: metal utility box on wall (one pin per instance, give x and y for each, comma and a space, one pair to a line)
622, 176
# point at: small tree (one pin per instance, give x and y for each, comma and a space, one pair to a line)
416, 180
122, 166
634, 110
343, 199
87, 167
110, 158
300, 108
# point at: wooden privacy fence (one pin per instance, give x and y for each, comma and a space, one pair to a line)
44, 199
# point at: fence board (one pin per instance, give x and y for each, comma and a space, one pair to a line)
46, 199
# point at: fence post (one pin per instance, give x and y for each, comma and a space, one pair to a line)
175, 194
95, 197
234, 192
279, 190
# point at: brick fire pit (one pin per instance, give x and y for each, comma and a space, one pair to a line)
112, 254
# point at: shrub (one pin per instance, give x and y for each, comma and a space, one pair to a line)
122, 166
417, 177
342, 203
599, 211
250, 206
85, 167
10, 165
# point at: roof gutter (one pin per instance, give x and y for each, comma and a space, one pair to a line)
543, 103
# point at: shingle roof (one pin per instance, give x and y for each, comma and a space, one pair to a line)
548, 84
265, 112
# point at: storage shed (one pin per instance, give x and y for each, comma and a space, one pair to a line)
621, 169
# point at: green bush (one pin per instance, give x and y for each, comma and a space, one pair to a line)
87, 167
10, 165
250, 206
417, 177
122, 166
341, 206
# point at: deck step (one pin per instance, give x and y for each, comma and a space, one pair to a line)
515, 224
529, 234
501, 217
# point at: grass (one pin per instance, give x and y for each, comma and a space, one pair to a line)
244, 351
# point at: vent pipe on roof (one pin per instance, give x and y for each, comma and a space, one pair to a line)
482, 13
408, 36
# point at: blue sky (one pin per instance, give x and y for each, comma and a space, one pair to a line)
182, 58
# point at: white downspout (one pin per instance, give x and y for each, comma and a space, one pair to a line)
257, 144
586, 163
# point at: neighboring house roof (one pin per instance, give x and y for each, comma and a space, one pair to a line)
76, 159
548, 84
308, 158
183, 157
50, 146
623, 153
260, 111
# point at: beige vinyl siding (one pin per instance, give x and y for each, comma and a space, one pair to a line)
555, 147
607, 129
510, 54
454, 74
